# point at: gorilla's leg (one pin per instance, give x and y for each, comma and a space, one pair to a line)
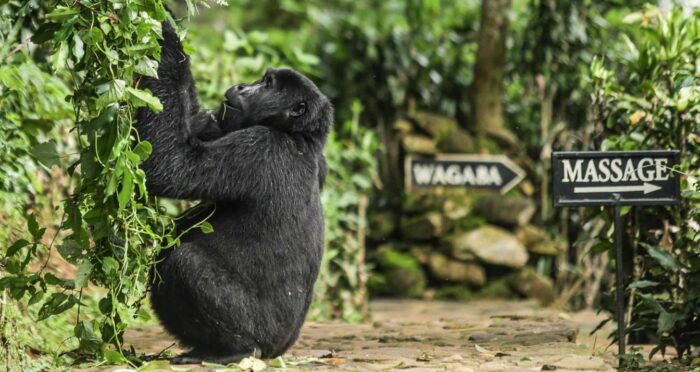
198, 302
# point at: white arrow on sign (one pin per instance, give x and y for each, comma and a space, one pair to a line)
646, 187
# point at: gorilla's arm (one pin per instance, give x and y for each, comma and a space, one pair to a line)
180, 165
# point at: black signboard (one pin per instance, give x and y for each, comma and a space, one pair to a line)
605, 178
616, 178
493, 172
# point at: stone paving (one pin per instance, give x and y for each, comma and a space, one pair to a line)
418, 335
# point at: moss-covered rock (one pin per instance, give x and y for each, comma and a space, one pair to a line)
529, 283
444, 268
403, 275
538, 241
498, 288
422, 227
491, 245
454, 292
381, 225
506, 211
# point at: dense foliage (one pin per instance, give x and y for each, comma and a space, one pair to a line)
648, 97
69, 96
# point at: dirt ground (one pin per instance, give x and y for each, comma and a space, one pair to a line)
436, 336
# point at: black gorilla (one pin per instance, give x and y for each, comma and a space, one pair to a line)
245, 288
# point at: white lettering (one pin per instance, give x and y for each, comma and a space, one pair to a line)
646, 174
495, 176
454, 176
604, 170
468, 175
572, 174
630, 174
591, 171
439, 177
482, 176
423, 173
616, 168
661, 169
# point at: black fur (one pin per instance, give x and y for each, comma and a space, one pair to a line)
246, 287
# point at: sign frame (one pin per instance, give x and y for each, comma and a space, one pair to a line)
502, 159
611, 200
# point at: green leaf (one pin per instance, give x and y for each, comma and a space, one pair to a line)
60, 58
79, 48
143, 150
667, 321
84, 270
140, 98
88, 339
110, 93
35, 298
46, 153
15, 247
109, 265
664, 258
70, 250
126, 190
114, 357
33, 227
147, 67
642, 284
63, 13
206, 227
51, 279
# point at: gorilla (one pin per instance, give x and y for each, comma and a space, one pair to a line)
245, 288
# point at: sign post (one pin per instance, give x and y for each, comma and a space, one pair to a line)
491, 172
615, 179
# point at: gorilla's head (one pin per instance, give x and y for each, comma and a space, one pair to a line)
283, 99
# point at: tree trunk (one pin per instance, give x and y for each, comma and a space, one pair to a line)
487, 89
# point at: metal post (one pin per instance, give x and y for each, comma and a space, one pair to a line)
619, 280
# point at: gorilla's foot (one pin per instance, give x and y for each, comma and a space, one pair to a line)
197, 357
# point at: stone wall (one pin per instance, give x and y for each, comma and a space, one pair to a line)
456, 243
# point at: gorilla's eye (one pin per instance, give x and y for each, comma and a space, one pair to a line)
298, 110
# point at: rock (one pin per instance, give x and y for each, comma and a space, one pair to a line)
381, 225
508, 211
537, 241
436, 125
455, 271
422, 227
582, 363
403, 276
421, 253
525, 330
491, 245
449, 136
546, 248
403, 126
454, 293
417, 144
456, 208
529, 283
420, 201
499, 288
